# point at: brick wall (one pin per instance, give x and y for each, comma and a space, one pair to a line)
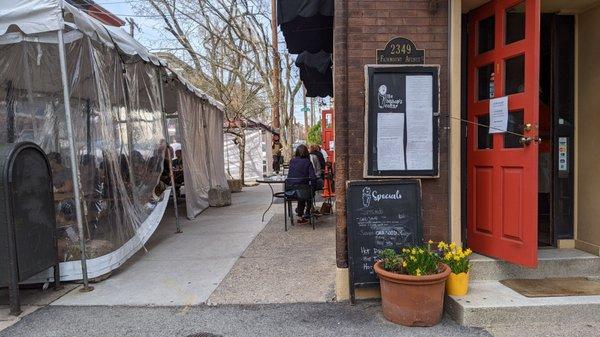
362, 27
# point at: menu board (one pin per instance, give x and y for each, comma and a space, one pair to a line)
402, 120
380, 215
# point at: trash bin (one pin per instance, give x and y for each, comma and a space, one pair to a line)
28, 243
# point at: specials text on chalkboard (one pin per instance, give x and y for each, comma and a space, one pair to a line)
381, 214
400, 50
402, 121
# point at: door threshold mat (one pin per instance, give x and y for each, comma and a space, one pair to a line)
554, 287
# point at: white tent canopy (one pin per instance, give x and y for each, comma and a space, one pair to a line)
43, 16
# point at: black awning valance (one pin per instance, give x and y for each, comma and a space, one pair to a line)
316, 73
307, 25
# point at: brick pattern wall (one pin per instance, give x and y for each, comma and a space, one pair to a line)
362, 27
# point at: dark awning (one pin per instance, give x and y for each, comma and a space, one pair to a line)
307, 25
316, 73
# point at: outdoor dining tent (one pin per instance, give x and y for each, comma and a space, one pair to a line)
94, 99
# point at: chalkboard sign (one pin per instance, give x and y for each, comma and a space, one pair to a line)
402, 121
380, 215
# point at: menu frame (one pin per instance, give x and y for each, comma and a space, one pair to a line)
370, 164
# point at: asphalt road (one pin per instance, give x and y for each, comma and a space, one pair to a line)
324, 319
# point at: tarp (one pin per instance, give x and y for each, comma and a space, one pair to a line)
41, 16
118, 135
200, 120
31, 16
316, 73
117, 117
256, 163
307, 25
194, 147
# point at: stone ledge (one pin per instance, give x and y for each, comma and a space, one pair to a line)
490, 302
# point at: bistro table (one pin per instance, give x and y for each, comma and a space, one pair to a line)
271, 180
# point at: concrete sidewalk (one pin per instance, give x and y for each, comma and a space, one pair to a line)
183, 269
297, 266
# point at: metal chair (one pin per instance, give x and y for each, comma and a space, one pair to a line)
300, 192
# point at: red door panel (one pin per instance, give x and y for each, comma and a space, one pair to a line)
502, 191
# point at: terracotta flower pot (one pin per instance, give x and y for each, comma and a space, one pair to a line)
412, 300
457, 284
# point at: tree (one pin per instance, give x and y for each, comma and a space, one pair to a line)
314, 134
228, 46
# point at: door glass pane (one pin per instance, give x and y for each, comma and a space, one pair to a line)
486, 34
515, 75
515, 23
484, 83
516, 125
485, 140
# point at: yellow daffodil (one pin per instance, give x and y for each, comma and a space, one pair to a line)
404, 264
430, 242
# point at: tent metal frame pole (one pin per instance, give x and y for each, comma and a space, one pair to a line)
72, 152
169, 159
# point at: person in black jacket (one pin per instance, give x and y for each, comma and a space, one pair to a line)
302, 173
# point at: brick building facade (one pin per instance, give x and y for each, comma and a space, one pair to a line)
361, 28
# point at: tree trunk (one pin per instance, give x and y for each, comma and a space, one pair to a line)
242, 149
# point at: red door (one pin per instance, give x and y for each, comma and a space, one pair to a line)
504, 44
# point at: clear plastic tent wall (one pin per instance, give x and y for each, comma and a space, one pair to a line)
119, 142
116, 111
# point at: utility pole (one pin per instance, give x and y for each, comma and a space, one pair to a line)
312, 111
276, 66
132, 26
305, 110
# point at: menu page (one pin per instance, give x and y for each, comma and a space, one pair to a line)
390, 141
419, 122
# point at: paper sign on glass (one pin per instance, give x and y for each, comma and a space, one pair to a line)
419, 121
390, 141
499, 114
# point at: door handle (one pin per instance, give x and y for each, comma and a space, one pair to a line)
528, 140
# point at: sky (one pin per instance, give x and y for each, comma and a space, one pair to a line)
149, 32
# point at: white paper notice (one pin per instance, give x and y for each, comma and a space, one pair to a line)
419, 122
499, 114
390, 142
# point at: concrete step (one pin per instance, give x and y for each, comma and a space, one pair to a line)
552, 263
491, 303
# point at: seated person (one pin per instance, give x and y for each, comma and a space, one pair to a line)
178, 161
88, 174
165, 176
302, 173
124, 165
61, 177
